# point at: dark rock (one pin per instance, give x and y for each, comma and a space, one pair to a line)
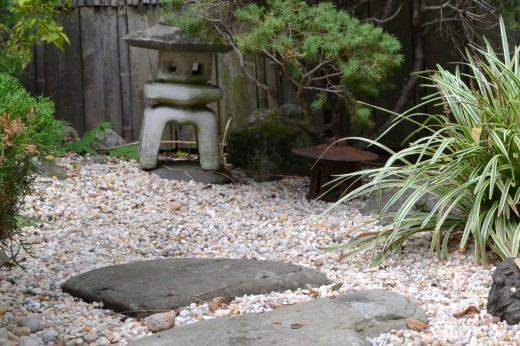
346, 320
107, 139
504, 295
263, 143
70, 134
50, 169
141, 288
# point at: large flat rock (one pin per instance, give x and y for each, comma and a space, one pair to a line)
143, 288
346, 320
186, 171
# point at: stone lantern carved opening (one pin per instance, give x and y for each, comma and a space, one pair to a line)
192, 68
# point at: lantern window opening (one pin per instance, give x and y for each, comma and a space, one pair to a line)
196, 69
172, 68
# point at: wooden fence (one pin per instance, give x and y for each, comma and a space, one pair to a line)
99, 78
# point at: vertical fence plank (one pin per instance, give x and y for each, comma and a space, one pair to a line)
102, 88
124, 72
63, 71
272, 79
39, 57
240, 96
28, 77
143, 62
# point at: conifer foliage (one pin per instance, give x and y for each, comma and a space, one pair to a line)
327, 56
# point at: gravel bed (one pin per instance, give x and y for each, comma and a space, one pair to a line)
115, 213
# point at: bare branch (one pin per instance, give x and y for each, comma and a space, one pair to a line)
386, 19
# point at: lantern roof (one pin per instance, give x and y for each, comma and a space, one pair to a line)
172, 39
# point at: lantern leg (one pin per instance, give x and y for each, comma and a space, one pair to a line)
206, 129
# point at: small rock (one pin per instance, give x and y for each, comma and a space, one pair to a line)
110, 336
34, 322
29, 341
175, 206
179, 321
184, 313
14, 338
159, 322
74, 342
4, 336
103, 341
222, 312
22, 331
198, 313
417, 342
338, 239
48, 335
91, 337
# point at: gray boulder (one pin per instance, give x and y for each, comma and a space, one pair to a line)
107, 139
140, 288
70, 134
504, 295
263, 143
346, 320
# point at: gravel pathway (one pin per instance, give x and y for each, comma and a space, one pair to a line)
115, 213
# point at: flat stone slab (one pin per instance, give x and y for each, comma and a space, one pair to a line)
144, 288
186, 171
50, 169
346, 320
170, 38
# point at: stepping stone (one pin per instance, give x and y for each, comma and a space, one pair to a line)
346, 320
145, 288
186, 171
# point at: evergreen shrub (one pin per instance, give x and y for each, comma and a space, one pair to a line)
27, 129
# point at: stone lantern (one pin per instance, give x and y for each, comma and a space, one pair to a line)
180, 93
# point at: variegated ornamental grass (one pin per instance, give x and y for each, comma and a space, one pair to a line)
468, 163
